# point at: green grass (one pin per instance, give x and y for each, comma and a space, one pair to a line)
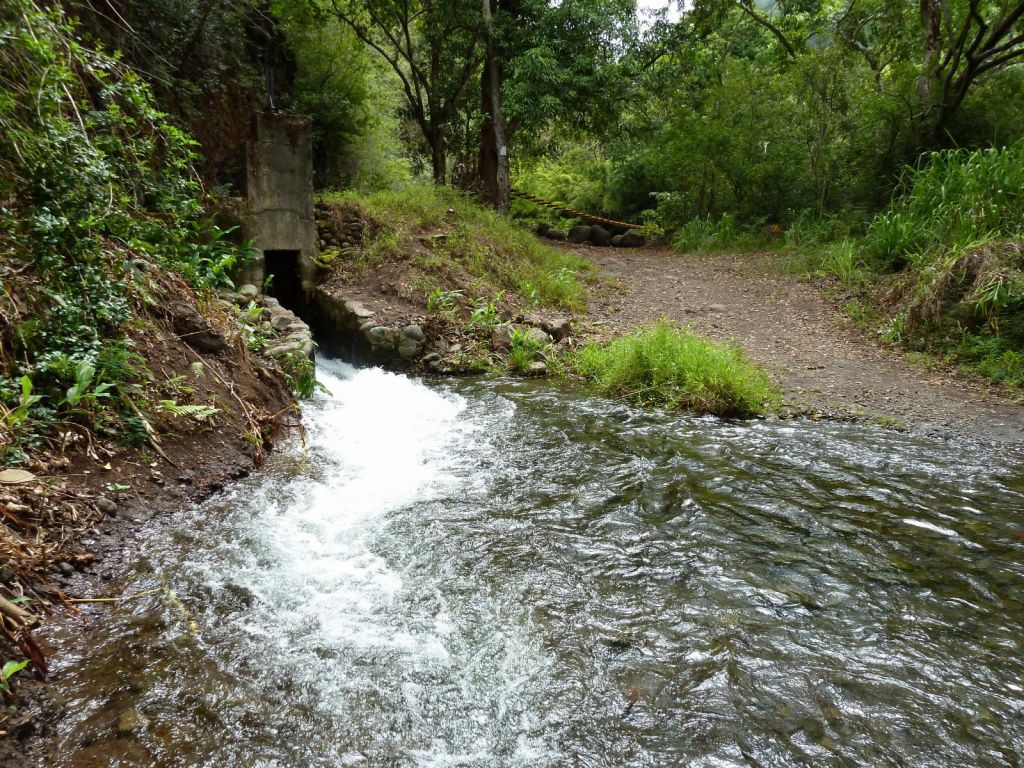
709, 236
524, 351
462, 233
667, 366
955, 199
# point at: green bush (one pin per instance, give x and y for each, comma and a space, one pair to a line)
672, 367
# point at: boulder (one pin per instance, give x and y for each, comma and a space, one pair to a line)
280, 322
194, 329
501, 338
381, 336
555, 234
281, 350
579, 234
633, 239
409, 348
537, 335
559, 328
248, 291
536, 369
599, 235
106, 506
542, 229
616, 241
414, 332
357, 309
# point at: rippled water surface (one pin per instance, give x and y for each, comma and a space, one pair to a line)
506, 573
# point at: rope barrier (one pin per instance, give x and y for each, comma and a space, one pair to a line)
570, 212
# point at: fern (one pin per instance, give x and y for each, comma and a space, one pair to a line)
201, 413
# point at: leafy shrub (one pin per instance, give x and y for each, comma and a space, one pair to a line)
665, 365
484, 312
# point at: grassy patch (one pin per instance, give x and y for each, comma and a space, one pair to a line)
524, 350
446, 231
723, 235
957, 199
941, 271
667, 366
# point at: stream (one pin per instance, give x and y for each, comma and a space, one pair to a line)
508, 573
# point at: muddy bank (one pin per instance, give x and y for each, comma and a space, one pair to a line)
826, 366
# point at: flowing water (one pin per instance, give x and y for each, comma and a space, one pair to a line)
507, 573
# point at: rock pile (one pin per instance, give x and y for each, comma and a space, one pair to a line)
593, 234
360, 334
339, 226
291, 336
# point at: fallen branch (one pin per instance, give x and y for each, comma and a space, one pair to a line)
17, 624
118, 599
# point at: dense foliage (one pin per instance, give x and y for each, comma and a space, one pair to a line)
773, 111
954, 238
95, 189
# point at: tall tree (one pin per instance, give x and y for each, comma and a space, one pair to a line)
433, 47
554, 63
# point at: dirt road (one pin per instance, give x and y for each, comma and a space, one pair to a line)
823, 362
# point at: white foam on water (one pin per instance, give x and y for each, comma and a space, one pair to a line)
381, 445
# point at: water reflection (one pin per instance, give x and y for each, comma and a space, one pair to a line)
502, 573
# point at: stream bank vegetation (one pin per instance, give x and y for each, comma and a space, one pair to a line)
452, 243
116, 352
671, 367
476, 282
941, 270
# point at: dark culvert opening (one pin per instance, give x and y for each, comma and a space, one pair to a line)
285, 284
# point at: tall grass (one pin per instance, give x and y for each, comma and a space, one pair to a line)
708, 234
487, 245
957, 230
956, 198
668, 366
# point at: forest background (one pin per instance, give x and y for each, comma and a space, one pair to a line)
875, 143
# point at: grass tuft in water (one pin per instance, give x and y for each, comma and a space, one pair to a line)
672, 367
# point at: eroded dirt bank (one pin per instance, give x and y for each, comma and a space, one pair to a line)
72, 513
825, 364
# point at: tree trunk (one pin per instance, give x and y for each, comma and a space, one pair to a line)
487, 157
492, 77
438, 155
929, 85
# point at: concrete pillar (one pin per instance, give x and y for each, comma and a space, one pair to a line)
279, 192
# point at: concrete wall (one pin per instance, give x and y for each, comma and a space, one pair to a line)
279, 193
